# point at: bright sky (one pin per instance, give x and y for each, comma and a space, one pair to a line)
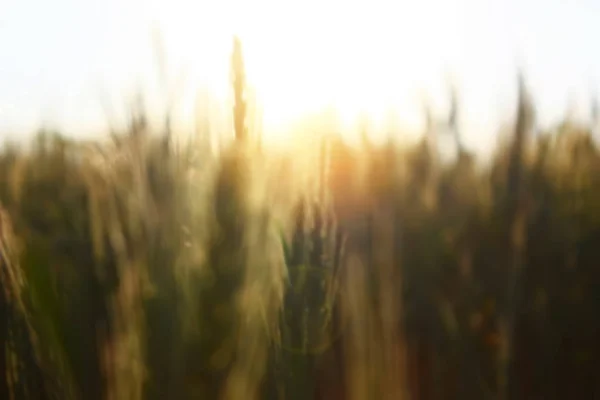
73, 64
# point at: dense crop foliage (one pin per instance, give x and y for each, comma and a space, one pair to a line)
146, 268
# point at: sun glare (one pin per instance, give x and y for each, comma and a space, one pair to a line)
303, 58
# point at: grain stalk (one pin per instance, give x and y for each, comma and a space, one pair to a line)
517, 216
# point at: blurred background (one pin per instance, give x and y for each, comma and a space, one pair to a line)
299, 200
76, 65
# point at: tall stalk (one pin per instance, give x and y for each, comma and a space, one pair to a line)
517, 217
20, 368
238, 73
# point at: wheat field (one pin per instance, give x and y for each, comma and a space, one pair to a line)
145, 267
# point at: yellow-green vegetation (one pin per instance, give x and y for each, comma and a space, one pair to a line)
141, 267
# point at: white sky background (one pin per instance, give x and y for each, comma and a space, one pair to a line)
74, 64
